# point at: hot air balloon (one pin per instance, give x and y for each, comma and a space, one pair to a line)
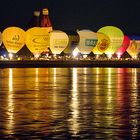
0, 38
13, 39
58, 41
73, 41
88, 40
102, 44
120, 51
116, 38
134, 47
37, 40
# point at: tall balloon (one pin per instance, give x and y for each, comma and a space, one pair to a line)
13, 39
88, 40
102, 44
120, 51
58, 41
116, 38
37, 40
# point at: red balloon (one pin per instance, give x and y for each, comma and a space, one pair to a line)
123, 47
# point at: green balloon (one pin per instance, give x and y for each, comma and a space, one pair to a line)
116, 37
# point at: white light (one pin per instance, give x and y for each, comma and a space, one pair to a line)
75, 53
10, 55
119, 55
85, 55
109, 55
36, 55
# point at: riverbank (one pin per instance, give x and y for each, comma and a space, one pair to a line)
70, 63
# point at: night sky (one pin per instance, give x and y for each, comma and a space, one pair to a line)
75, 14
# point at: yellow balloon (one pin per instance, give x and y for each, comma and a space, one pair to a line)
134, 48
13, 39
37, 40
102, 44
0, 38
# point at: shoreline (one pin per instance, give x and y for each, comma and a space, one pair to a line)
69, 63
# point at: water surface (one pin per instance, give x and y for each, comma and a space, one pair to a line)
70, 103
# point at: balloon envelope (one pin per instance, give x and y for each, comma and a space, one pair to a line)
13, 39
37, 40
134, 48
0, 38
58, 41
120, 51
116, 38
88, 40
102, 44
73, 41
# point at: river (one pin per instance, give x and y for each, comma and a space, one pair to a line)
69, 103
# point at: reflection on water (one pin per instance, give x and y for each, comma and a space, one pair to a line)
70, 103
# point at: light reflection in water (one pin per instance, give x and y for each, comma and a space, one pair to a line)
74, 125
10, 105
134, 105
81, 102
10, 79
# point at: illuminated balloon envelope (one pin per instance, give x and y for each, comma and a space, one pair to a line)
120, 51
88, 40
58, 41
116, 38
73, 41
13, 39
37, 40
134, 48
102, 44
0, 38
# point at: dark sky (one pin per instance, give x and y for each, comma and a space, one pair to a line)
75, 14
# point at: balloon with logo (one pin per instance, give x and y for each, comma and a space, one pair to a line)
102, 44
58, 41
116, 38
13, 39
73, 41
37, 40
120, 51
88, 40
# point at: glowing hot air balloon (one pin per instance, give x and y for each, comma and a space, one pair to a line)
102, 44
134, 47
0, 38
120, 51
116, 38
58, 41
73, 41
13, 39
37, 40
88, 40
